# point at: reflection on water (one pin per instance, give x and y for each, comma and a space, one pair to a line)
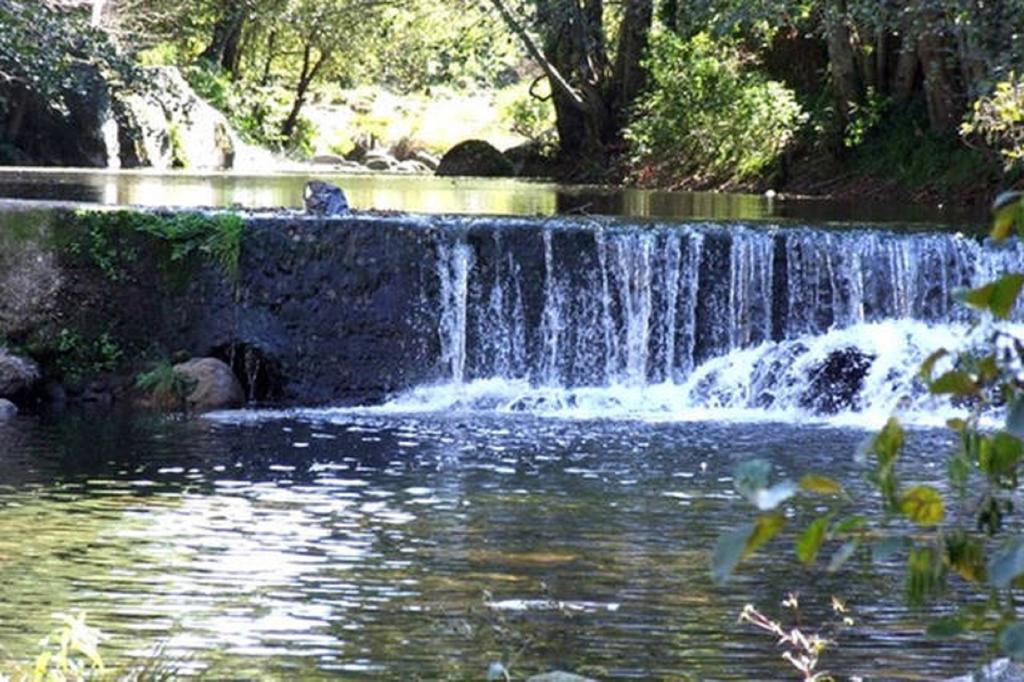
429, 194
423, 547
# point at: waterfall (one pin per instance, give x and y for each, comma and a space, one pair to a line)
454, 264
702, 316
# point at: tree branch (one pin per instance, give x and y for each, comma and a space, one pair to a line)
558, 81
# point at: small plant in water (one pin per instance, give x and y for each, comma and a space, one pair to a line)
70, 652
803, 650
167, 389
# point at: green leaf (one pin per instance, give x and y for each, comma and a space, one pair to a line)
729, 551
998, 297
889, 441
849, 525
955, 383
966, 556
1007, 209
751, 476
1002, 457
823, 485
926, 574
928, 366
959, 470
945, 628
1007, 562
956, 424
923, 505
842, 555
809, 542
1005, 295
1011, 641
766, 527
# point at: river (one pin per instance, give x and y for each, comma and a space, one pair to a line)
551, 510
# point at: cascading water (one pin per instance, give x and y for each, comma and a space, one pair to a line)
700, 321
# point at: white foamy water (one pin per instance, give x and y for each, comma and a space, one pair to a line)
699, 322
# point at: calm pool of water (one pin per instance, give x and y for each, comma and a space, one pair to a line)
426, 194
427, 547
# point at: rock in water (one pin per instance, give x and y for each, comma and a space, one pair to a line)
1000, 670
323, 198
216, 386
559, 676
7, 409
475, 158
16, 373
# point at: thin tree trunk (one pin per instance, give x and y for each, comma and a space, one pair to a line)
943, 106
905, 76
630, 77
308, 74
17, 106
271, 39
842, 58
227, 31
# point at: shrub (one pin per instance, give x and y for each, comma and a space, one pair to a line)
998, 120
705, 117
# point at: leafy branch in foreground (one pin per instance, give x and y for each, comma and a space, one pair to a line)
984, 473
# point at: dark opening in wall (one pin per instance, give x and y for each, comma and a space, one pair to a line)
259, 375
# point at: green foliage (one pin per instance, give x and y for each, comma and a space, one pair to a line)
41, 50
255, 110
706, 116
216, 236
997, 120
984, 473
531, 116
166, 388
902, 150
80, 356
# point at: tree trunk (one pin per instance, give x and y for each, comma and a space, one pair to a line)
842, 58
944, 109
310, 68
222, 51
17, 105
265, 78
905, 76
630, 78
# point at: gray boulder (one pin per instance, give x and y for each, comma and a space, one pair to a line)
475, 158
426, 158
216, 386
323, 198
380, 161
16, 373
7, 409
558, 676
411, 167
1000, 670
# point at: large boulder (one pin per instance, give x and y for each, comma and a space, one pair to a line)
165, 124
17, 374
215, 386
7, 409
529, 160
475, 158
